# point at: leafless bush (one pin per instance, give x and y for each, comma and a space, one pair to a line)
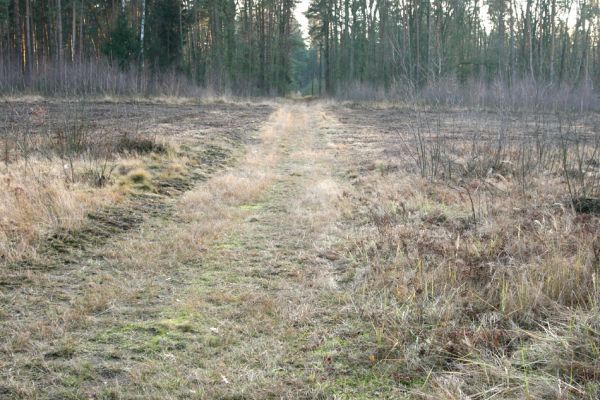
521, 94
581, 169
555, 147
96, 77
358, 91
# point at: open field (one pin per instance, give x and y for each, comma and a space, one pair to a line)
297, 250
478, 256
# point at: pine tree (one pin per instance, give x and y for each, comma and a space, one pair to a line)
122, 46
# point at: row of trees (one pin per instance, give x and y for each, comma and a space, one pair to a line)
244, 44
379, 42
256, 47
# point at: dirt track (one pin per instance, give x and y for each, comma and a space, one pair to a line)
304, 253
252, 309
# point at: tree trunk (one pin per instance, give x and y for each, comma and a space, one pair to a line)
530, 38
552, 40
81, 42
59, 44
142, 32
18, 37
73, 30
29, 60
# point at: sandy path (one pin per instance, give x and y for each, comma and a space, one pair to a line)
268, 286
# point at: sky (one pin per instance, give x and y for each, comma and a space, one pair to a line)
303, 6
300, 9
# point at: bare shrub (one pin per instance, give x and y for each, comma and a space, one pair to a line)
485, 158
361, 92
96, 77
515, 95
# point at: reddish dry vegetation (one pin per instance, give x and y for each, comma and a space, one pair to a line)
478, 258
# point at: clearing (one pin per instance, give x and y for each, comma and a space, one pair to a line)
303, 250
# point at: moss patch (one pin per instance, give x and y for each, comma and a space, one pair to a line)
252, 207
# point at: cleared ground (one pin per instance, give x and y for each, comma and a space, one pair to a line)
309, 250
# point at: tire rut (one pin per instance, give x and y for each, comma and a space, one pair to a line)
66, 247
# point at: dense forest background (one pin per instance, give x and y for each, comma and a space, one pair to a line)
256, 47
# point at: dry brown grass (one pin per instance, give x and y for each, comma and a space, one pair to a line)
478, 281
58, 166
75, 313
208, 212
41, 196
60, 162
36, 199
227, 196
326, 263
224, 304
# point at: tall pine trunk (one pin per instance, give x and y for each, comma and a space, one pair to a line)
18, 38
73, 30
142, 32
59, 44
29, 60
